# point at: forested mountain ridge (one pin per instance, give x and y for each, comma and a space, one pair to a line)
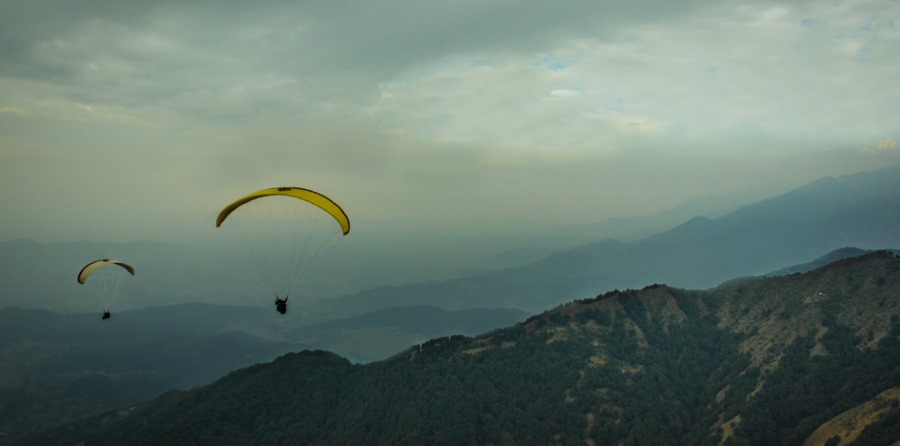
856, 293
809, 357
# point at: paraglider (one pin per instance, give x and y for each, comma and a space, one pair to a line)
107, 284
281, 304
282, 232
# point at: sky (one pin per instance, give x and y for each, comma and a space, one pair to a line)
130, 120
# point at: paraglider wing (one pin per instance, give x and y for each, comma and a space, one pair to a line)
315, 198
93, 266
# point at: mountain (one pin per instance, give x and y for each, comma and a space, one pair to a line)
56, 368
508, 264
833, 256
38, 368
808, 358
860, 210
379, 334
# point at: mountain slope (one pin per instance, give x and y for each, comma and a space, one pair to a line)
849, 426
833, 256
379, 334
57, 368
860, 210
767, 361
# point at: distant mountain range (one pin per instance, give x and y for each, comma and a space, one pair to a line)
809, 358
861, 210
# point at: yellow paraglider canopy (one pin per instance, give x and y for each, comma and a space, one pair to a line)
310, 196
93, 266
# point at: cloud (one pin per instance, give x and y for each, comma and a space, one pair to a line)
453, 110
726, 72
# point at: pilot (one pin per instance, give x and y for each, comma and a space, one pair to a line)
281, 304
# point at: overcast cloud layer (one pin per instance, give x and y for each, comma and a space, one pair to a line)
131, 120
